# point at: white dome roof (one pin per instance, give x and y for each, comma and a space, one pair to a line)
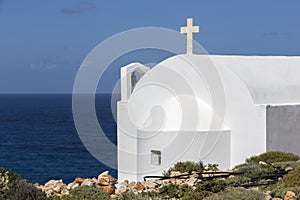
197, 86
270, 79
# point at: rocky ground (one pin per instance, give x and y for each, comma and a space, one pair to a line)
263, 177
114, 188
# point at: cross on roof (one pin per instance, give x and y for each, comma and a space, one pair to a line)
189, 30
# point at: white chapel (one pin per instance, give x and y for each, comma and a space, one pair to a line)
212, 108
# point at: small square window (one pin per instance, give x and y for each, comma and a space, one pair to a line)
155, 157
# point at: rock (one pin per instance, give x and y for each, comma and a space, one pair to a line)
268, 197
191, 181
103, 182
52, 183
276, 199
65, 192
174, 173
178, 181
105, 173
79, 180
262, 163
88, 182
95, 180
57, 189
106, 179
195, 175
150, 184
54, 188
36, 184
290, 196
131, 185
139, 186
49, 193
288, 169
255, 188
72, 185
108, 189
120, 188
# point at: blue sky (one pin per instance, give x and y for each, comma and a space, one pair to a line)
42, 43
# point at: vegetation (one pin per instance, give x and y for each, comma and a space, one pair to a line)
213, 186
139, 196
187, 166
256, 169
86, 193
285, 165
23, 190
273, 157
290, 182
253, 170
13, 187
237, 193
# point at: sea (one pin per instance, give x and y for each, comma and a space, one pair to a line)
39, 141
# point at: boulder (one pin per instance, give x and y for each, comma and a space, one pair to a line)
268, 197
64, 192
79, 180
57, 189
120, 188
105, 179
290, 196
88, 182
149, 184
262, 163
53, 183
175, 173
131, 185
72, 185
288, 169
126, 182
108, 189
139, 186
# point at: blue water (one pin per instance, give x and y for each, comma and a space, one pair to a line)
38, 138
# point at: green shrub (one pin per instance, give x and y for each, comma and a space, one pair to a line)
86, 193
211, 167
186, 192
6, 177
22, 190
290, 182
284, 165
187, 166
139, 196
292, 179
272, 157
280, 191
237, 180
253, 170
237, 193
12, 187
194, 195
171, 190
184, 189
214, 186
